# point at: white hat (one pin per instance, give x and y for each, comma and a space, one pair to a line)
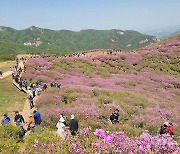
72, 116
166, 123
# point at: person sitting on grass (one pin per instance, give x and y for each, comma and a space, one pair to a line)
6, 120
163, 129
170, 130
114, 117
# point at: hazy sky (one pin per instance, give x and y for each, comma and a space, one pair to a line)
141, 15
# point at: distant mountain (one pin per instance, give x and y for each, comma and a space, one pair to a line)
39, 39
164, 32
175, 33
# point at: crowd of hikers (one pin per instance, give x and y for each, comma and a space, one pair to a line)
35, 88
33, 122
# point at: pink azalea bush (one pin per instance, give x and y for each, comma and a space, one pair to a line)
102, 142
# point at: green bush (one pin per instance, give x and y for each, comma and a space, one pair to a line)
9, 138
9, 146
9, 131
46, 141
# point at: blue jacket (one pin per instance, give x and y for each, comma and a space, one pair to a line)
5, 121
37, 118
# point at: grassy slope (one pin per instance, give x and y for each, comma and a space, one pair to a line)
5, 66
11, 99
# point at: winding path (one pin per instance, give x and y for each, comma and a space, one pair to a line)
26, 109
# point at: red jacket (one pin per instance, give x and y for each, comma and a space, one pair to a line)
170, 130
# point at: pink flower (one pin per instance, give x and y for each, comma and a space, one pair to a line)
100, 133
107, 139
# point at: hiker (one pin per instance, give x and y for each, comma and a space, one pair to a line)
30, 124
45, 86
170, 129
114, 117
37, 119
12, 75
38, 90
0, 73
22, 132
59, 86
30, 92
20, 83
18, 119
6, 120
52, 85
25, 84
63, 119
163, 129
31, 102
61, 128
73, 125
33, 89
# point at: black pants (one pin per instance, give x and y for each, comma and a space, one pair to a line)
31, 104
73, 133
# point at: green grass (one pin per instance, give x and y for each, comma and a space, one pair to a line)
5, 66
11, 99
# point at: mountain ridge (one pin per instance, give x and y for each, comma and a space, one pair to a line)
70, 41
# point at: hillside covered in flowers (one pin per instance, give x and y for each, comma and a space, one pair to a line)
144, 85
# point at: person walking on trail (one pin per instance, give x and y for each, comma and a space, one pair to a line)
37, 119
30, 124
18, 119
31, 102
1, 73
6, 120
73, 125
25, 84
22, 132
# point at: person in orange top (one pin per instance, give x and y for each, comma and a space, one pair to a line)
30, 123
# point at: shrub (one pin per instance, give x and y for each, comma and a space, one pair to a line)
9, 131
9, 146
9, 137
